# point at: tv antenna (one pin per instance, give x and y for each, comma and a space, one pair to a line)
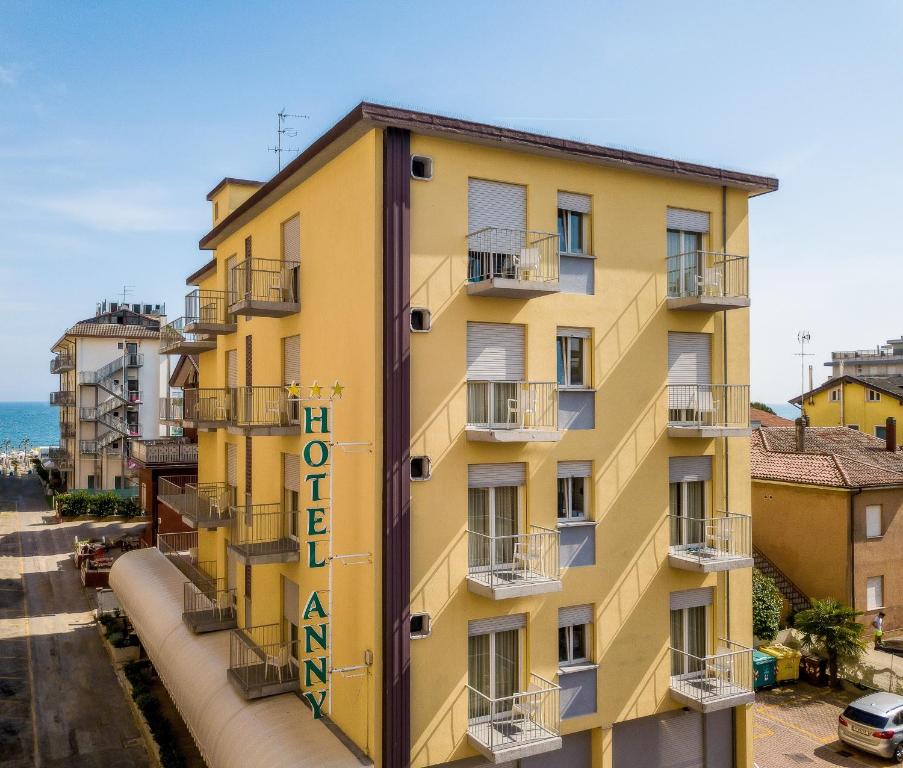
803, 337
126, 290
285, 130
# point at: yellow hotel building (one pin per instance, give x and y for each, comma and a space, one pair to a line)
473, 484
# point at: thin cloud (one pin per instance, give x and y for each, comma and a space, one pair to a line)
128, 209
9, 75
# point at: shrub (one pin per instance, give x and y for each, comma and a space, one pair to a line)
766, 602
75, 503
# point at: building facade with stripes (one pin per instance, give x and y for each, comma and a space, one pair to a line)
473, 452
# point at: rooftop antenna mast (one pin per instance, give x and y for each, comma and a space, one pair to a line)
285, 130
803, 337
126, 290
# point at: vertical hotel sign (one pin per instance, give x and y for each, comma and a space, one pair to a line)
316, 532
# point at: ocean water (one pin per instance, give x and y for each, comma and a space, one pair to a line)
39, 422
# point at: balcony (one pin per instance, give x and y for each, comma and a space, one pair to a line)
201, 505
707, 282
512, 263
63, 398
265, 288
208, 408
88, 446
207, 606
501, 567
708, 410
67, 429
176, 340
709, 683
175, 451
206, 312
515, 727
172, 410
265, 533
265, 411
62, 363
706, 545
262, 662
512, 412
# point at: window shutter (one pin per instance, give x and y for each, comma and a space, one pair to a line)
291, 471
290, 599
873, 521
291, 359
496, 475
579, 333
495, 352
232, 464
232, 368
688, 221
495, 204
691, 598
497, 624
230, 277
689, 358
686, 469
575, 469
571, 201
575, 615
291, 239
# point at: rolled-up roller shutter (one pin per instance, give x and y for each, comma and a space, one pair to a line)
497, 624
691, 598
495, 352
291, 239
689, 358
291, 359
688, 221
575, 468
574, 615
687, 469
496, 475
571, 201
495, 204
291, 471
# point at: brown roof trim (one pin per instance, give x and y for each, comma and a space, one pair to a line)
865, 381
195, 277
423, 122
233, 180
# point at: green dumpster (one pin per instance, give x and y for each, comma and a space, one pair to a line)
764, 670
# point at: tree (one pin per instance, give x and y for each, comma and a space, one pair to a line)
763, 407
831, 627
767, 603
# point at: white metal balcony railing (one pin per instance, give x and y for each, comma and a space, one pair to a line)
515, 560
702, 274
265, 531
175, 338
512, 405
512, 254
505, 723
208, 405
703, 541
62, 363
203, 504
176, 451
265, 280
207, 308
172, 408
262, 661
88, 446
264, 407
63, 397
721, 678
709, 405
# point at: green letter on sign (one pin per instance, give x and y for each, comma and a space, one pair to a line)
315, 700
317, 668
324, 453
312, 561
315, 517
310, 634
309, 419
314, 606
315, 491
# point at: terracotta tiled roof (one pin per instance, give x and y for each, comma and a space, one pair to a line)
766, 419
839, 457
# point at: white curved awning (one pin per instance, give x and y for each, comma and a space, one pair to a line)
231, 732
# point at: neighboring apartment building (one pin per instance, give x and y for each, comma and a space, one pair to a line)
473, 423
859, 402
883, 360
826, 505
110, 379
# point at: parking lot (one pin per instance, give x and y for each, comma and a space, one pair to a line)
797, 725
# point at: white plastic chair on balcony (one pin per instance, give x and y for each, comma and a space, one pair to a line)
719, 666
710, 282
274, 660
527, 559
526, 705
273, 412
275, 287
527, 262
521, 406
223, 605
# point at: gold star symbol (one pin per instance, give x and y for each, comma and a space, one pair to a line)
337, 389
316, 390
294, 391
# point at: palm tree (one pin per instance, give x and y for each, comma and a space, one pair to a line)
831, 627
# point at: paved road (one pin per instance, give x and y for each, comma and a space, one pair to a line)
60, 702
797, 726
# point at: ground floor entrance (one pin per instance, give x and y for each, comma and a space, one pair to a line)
678, 739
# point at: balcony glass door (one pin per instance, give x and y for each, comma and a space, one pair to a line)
492, 513
689, 638
493, 670
684, 253
688, 510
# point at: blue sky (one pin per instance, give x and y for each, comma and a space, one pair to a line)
116, 119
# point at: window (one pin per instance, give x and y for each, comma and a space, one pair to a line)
493, 669
874, 396
91, 481
874, 593
572, 498
216, 210
421, 320
573, 644
420, 468
421, 167
689, 640
881, 432
421, 626
571, 231
835, 395
873, 521
573, 358
853, 426
117, 482
687, 506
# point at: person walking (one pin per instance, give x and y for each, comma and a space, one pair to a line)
878, 624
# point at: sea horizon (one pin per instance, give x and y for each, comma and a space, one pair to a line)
34, 420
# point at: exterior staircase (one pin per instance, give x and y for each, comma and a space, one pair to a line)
798, 600
111, 380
